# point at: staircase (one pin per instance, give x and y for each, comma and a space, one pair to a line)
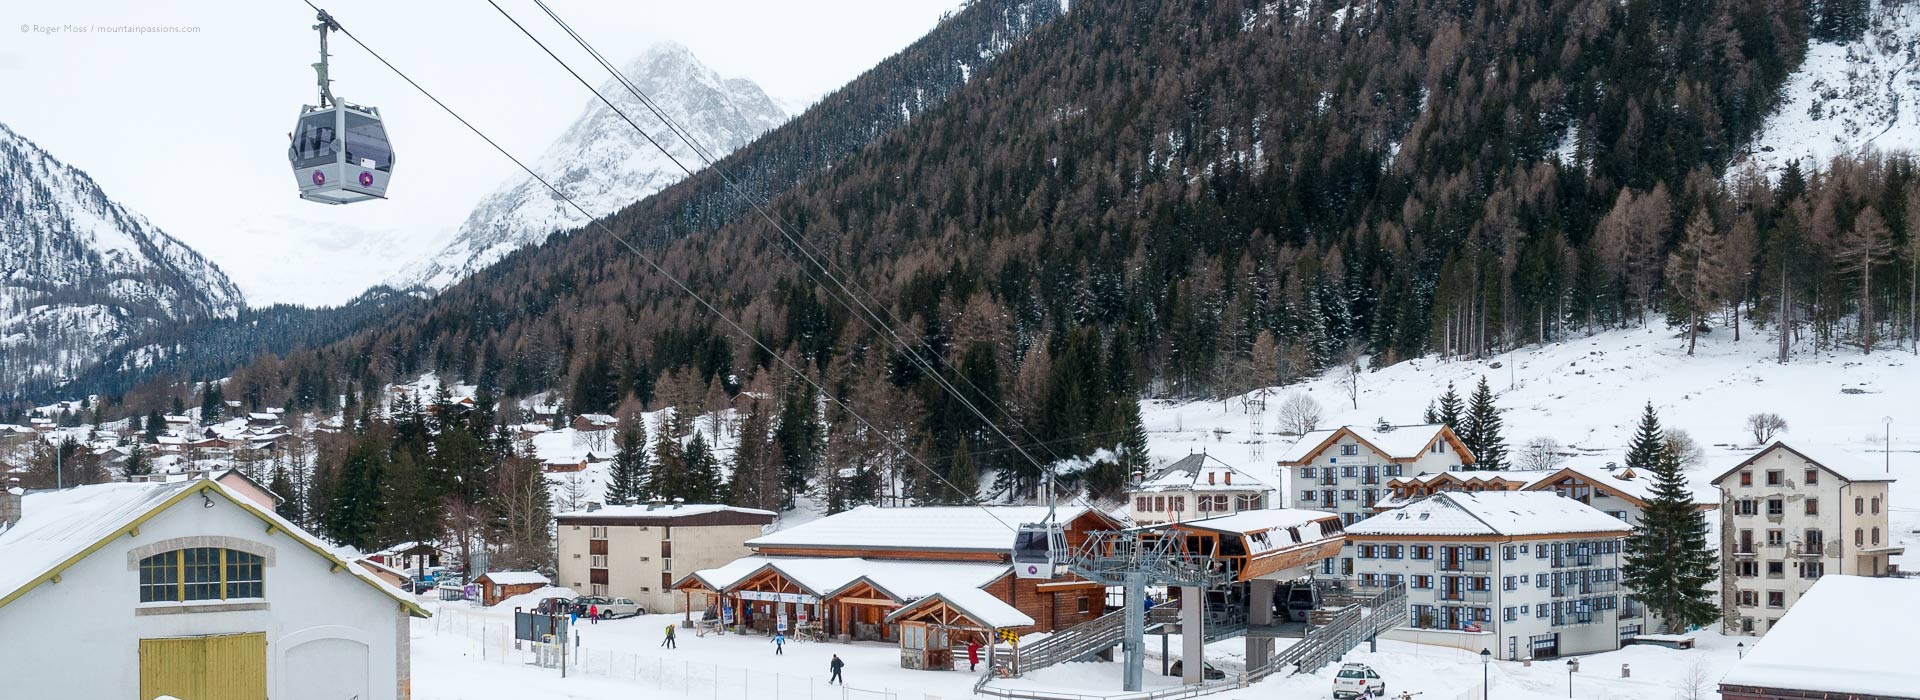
1364, 617
1078, 642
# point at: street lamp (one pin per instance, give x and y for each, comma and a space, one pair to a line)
1486, 661
1573, 665
1740, 649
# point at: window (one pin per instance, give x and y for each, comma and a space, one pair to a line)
1349, 472
1746, 569
1509, 614
1523, 549
1422, 551
367, 143
1205, 503
1393, 470
1815, 542
1306, 472
1507, 583
1745, 506
1776, 477
1349, 495
1438, 447
1349, 451
1084, 605
1507, 552
1776, 506
1140, 503
1523, 579
1859, 506
1859, 537
201, 573
1813, 477
1813, 569
1813, 506
1776, 599
1422, 581
1746, 478
1308, 496
599, 561
1776, 538
1366, 551
1749, 598
1876, 536
1876, 505
1159, 503
599, 589
598, 532
1179, 503
1776, 569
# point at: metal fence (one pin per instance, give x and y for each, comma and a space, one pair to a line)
489, 639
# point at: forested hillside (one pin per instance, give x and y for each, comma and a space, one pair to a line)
1185, 199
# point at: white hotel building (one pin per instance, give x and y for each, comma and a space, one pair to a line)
1345, 470
1525, 574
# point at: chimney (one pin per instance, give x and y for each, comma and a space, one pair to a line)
656, 503
593, 506
677, 502
10, 499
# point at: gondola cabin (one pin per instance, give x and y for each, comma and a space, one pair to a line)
340, 154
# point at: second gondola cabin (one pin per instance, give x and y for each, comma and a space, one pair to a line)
340, 154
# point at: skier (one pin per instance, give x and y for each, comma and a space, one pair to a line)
593, 613
668, 642
779, 644
973, 655
836, 665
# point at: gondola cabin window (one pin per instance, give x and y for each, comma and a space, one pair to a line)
201, 573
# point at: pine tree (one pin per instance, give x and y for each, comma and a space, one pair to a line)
703, 472
1481, 432
1648, 442
627, 478
669, 476
282, 486
138, 463
754, 482
1432, 415
964, 477
1450, 409
355, 506
1668, 565
798, 436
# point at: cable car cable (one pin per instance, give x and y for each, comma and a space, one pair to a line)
826, 268
972, 499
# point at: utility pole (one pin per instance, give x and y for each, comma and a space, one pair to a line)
59, 470
1886, 448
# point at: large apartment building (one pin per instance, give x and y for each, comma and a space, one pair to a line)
1526, 574
639, 552
1786, 519
1345, 470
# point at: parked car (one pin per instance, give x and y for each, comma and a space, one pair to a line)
553, 606
1358, 681
609, 607
1207, 671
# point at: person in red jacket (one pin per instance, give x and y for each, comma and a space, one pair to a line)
973, 656
593, 614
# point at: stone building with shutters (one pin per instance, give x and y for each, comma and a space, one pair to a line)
639, 551
1789, 517
188, 588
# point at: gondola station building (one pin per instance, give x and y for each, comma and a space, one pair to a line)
187, 588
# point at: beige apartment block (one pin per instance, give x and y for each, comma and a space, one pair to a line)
639, 551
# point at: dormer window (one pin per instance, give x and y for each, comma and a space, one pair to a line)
1349, 450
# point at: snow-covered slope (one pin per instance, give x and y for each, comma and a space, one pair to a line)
1587, 394
603, 164
1850, 96
79, 273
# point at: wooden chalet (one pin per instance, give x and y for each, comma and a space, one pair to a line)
1274, 543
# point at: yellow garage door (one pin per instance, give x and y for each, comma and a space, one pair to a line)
224, 667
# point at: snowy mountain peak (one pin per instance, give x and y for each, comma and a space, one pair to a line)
603, 164
79, 272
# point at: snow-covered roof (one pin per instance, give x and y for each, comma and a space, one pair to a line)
1470, 476
1200, 472
58, 526
664, 511
905, 580
1274, 521
1510, 513
977, 604
599, 418
262, 416
941, 528
1847, 634
1847, 466
1402, 442
516, 578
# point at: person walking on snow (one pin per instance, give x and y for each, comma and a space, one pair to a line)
836, 665
668, 642
973, 656
779, 644
593, 614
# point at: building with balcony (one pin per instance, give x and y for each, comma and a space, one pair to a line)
1786, 519
1345, 470
1619, 491
1198, 486
639, 552
1526, 574
1402, 490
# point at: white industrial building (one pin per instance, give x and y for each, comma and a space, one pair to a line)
187, 588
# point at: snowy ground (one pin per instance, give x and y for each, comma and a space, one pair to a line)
623, 659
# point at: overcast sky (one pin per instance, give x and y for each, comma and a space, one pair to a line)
189, 128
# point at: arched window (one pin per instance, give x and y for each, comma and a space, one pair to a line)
201, 573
